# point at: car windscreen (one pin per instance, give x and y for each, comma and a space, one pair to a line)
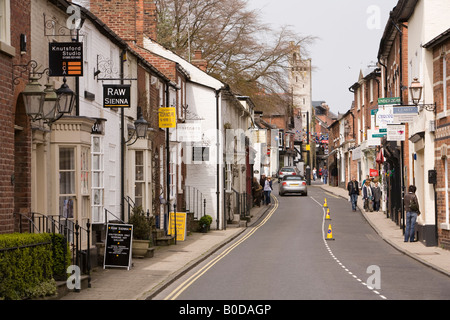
287, 170
293, 178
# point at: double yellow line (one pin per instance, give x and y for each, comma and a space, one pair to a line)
186, 284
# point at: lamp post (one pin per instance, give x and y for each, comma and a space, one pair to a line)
416, 90
47, 105
33, 98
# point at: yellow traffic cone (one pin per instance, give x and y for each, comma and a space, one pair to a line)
325, 204
330, 233
328, 215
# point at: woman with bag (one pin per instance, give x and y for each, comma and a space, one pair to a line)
412, 212
267, 190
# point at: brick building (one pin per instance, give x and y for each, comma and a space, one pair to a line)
393, 61
440, 47
15, 194
342, 144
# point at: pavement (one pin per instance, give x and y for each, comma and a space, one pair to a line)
149, 276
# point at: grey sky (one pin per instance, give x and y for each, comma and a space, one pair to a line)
349, 33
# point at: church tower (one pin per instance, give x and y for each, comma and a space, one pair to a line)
300, 82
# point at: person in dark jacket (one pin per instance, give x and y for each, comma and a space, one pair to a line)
411, 213
353, 192
376, 196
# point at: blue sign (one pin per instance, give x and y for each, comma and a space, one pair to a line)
406, 110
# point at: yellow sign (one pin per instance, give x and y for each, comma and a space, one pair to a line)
180, 223
308, 147
167, 118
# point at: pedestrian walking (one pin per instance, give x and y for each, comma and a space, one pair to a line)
376, 196
367, 196
314, 174
267, 190
353, 192
412, 212
257, 192
325, 174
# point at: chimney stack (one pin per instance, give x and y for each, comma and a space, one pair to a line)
198, 60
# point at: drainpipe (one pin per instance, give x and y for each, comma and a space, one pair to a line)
218, 159
122, 147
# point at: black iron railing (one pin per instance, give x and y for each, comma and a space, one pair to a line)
77, 236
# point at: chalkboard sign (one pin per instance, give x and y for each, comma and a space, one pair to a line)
119, 239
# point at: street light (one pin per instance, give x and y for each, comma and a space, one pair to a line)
33, 98
416, 95
49, 105
416, 91
66, 99
140, 128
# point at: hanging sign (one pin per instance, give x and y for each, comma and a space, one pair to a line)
65, 59
119, 239
167, 118
116, 96
396, 132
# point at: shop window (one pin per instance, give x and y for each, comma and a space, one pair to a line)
97, 179
66, 182
139, 179
5, 34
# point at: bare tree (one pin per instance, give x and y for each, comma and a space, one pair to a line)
241, 50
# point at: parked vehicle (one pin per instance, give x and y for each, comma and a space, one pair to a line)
293, 184
286, 171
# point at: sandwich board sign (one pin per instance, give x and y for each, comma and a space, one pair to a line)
119, 238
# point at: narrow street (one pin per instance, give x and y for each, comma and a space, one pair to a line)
285, 257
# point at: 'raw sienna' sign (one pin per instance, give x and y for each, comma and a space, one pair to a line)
119, 239
116, 96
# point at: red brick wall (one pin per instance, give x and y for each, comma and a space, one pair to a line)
442, 137
15, 145
130, 19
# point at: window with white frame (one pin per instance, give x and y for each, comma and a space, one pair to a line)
5, 15
67, 178
447, 209
172, 174
228, 178
371, 90
444, 80
97, 202
139, 180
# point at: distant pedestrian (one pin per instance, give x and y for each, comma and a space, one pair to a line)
314, 174
257, 192
353, 192
267, 190
325, 174
412, 212
376, 196
367, 196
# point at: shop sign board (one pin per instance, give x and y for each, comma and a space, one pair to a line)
65, 59
118, 246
